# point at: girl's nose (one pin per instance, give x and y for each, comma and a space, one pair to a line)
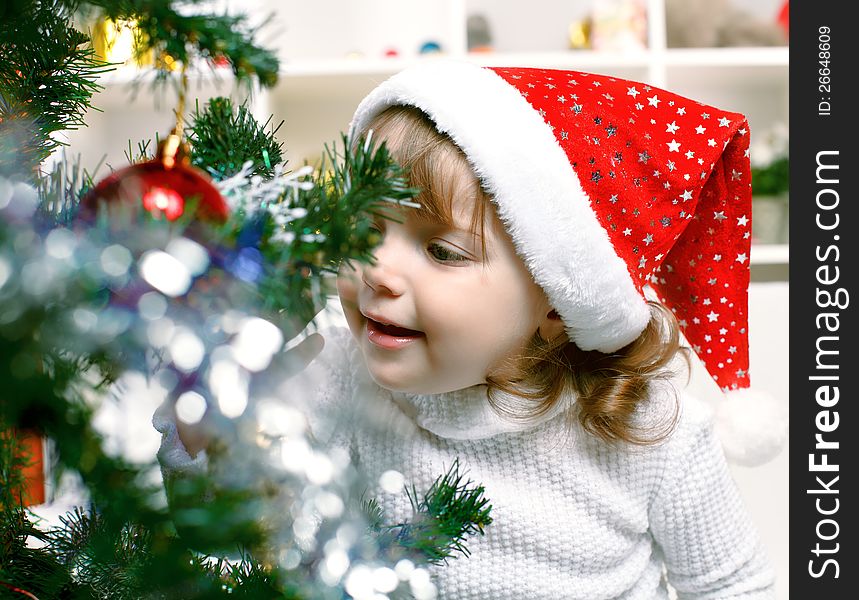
385, 276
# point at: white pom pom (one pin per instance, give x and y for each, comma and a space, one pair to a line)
752, 426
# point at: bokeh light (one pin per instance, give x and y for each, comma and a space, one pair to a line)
256, 343
190, 407
116, 260
186, 349
392, 481
165, 273
191, 254
229, 383
60, 244
152, 306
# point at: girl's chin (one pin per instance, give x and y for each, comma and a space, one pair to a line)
397, 383
395, 388
408, 384
394, 378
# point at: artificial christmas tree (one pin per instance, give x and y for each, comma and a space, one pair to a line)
138, 286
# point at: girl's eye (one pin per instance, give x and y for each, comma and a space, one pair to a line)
445, 254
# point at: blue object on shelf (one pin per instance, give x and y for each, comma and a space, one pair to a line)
430, 47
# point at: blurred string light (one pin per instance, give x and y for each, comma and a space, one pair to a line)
165, 273
190, 407
256, 343
392, 481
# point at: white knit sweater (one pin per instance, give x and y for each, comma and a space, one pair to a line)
572, 516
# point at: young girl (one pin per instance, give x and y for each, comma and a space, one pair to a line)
504, 323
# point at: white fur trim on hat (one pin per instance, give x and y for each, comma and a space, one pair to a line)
537, 193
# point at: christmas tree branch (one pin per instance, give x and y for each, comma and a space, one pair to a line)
185, 37
48, 76
78, 308
224, 137
315, 222
448, 512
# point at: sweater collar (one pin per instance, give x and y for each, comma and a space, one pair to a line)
466, 414
463, 414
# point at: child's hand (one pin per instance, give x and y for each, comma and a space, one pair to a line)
198, 436
296, 359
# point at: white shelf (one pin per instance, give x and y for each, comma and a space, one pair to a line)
336, 67
129, 74
138, 90
379, 66
351, 78
571, 59
777, 56
770, 254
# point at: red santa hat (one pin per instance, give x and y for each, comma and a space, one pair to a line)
607, 186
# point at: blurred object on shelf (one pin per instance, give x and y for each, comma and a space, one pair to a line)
618, 25
769, 155
784, 18
354, 55
392, 52
770, 159
34, 472
28, 449
166, 62
478, 33
220, 61
717, 23
114, 42
430, 47
771, 219
579, 34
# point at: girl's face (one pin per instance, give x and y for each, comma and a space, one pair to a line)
436, 314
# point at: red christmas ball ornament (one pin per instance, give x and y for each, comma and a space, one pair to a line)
165, 200
165, 187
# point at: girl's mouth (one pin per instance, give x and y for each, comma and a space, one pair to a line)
391, 337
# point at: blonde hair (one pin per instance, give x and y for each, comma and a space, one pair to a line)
609, 388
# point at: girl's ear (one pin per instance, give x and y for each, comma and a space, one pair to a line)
552, 326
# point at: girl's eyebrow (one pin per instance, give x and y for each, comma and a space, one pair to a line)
427, 218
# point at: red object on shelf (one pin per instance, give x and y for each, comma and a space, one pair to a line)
29, 447
34, 472
784, 18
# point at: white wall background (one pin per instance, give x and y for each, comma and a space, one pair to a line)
765, 488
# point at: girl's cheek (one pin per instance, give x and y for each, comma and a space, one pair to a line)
347, 286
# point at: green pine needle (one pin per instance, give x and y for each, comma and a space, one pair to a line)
186, 37
351, 186
373, 513
223, 137
452, 509
61, 190
145, 151
47, 78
